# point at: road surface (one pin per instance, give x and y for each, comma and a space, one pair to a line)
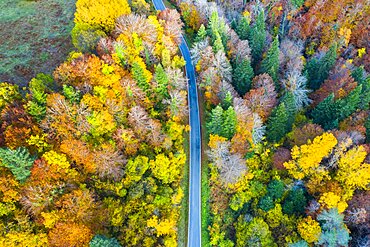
194, 221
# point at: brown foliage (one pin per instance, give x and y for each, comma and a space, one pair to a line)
281, 156
301, 135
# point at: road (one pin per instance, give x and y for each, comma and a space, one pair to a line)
194, 220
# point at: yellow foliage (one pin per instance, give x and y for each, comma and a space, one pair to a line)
346, 34
361, 52
352, 172
309, 229
306, 158
163, 227
176, 198
39, 142
25, 238
50, 219
102, 13
274, 216
215, 139
331, 200
60, 160
168, 169
8, 92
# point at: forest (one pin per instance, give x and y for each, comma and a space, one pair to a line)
96, 153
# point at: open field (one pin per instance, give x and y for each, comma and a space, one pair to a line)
35, 37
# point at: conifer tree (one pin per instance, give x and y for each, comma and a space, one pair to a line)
349, 104
139, 75
270, 63
325, 113
215, 124
277, 123
243, 29
318, 70
242, 76
258, 38
19, 162
217, 45
202, 34
227, 100
229, 123
162, 81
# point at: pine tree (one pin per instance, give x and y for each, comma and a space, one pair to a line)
258, 38
367, 126
325, 113
103, 241
215, 124
140, 77
162, 82
202, 34
349, 104
243, 29
19, 162
365, 94
242, 76
295, 202
270, 63
229, 123
291, 107
277, 123
227, 100
217, 45
318, 70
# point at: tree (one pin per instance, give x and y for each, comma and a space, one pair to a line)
325, 113
8, 93
243, 29
214, 126
102, 13
277, 125
242, 76
142, 76
19, 162
167, 168
103, 241
301, 243
202, 34
270, 64
334, 232
309, 229
253, 233
276, 189
162, 82
229, 123
318, 70
258, 38
73, 235
85, 37
217, 44
295, 202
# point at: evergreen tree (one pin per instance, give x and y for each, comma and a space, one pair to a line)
365, 94
258, 38
367, 126
202, 34
73, 95
334, 231
270, 63
162, 82
229, 123
295, 202
325, 113
301, 243
349, 104
215, 124
318, 70
277, 123
140, 77
266, 203
242, 76
103, 241
275, 189
218, 45
243, 29
227, 100
291, 107
19, 162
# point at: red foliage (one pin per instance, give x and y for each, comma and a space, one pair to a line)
280, 156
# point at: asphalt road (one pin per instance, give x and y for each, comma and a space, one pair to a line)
194, 221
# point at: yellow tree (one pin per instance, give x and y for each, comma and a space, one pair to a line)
309, 229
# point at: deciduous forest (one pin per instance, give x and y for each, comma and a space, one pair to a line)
96, 153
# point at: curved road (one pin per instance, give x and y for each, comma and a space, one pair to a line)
194, 222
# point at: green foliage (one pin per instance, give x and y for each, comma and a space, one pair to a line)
222, 123
217, 44
266, 203
103, 241
85, 37
297, 3
227, 101
270, 64
8, 93
334, 233
365, 94
318, 70
301, 243
242, 76
275, 189
367, 126
254, 233
140, 77
19, 162
243, 29
325, 113
258, 38
295, 202
162, 81
71, 94
349, 104
277, 123
202, 34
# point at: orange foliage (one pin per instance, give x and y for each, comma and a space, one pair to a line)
69, 234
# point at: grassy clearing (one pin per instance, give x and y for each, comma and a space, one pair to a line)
184, 184
35, 37
205, 190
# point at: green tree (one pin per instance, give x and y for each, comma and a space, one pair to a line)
301, 243
277, 123
367, 126
216, 119
295, 202
18, 161
318, 70
276, 189
365, 94
253, 233
85, 37
229, 123
325, 113
242, 76
140, 77
103, 241
266, 203
202, 34
349, 104
334, 232
217, 44
71, 94
162, 81
258, 38
227, 101
243, 29
270, 64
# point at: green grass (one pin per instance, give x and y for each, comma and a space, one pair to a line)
184, 184
36, 35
